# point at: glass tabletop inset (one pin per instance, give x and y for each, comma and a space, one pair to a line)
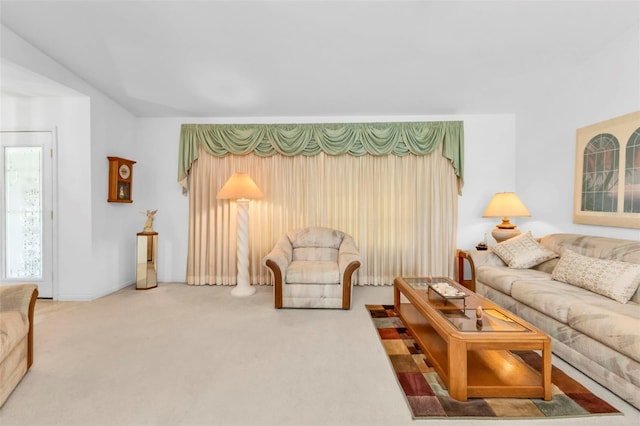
421, 283
441, 287
491, 321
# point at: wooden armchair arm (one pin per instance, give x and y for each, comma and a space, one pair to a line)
347, 283
277, 281
277, 261
348, 262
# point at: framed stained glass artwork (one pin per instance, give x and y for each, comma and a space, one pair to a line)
607, 174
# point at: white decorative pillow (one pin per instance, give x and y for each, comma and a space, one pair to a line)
522, 252
611, 278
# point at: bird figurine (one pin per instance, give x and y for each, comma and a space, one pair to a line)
148, 226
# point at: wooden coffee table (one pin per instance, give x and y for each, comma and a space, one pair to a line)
473, 358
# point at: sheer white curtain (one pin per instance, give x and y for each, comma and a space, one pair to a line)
401, 211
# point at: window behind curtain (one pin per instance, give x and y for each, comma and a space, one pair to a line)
401, 211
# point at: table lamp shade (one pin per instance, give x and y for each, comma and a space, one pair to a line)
239, 186
505, 204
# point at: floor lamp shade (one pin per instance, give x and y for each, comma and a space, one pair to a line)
239, 186
505, 205
242, 188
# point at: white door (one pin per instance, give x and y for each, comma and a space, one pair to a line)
26, 209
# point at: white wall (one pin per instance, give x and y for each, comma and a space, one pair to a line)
561, 100
96, 239
490, 167
157, 188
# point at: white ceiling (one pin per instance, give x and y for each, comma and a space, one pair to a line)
314, 58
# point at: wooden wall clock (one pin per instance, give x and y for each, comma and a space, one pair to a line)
120, 180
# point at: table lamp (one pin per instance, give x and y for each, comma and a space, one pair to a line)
242, 188
505, 205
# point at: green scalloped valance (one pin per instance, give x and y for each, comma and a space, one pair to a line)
399, 138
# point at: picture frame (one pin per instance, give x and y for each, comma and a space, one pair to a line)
607, 173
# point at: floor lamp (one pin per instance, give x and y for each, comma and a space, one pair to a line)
242, 188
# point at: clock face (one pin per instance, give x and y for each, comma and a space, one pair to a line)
124, 171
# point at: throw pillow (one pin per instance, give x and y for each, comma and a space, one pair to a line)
522, 252
611, 278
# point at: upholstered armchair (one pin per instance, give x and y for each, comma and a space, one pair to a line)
313, 268
17, 305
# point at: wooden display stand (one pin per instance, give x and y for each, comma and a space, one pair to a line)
146, 267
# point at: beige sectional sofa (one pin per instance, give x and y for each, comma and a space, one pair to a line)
589, 329
17, 303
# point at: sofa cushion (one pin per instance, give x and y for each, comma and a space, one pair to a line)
611, 278
609, 323
522, 252
501, 278
600, 247
485, 257
315, 237
316, 253
547, 266
592, 246
308, 272
553, 298
13, 327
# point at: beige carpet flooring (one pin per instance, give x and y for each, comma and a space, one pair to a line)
182, 355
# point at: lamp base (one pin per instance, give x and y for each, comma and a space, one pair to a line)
502, 234
243, 291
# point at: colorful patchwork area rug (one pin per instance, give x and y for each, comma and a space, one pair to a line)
427, 395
